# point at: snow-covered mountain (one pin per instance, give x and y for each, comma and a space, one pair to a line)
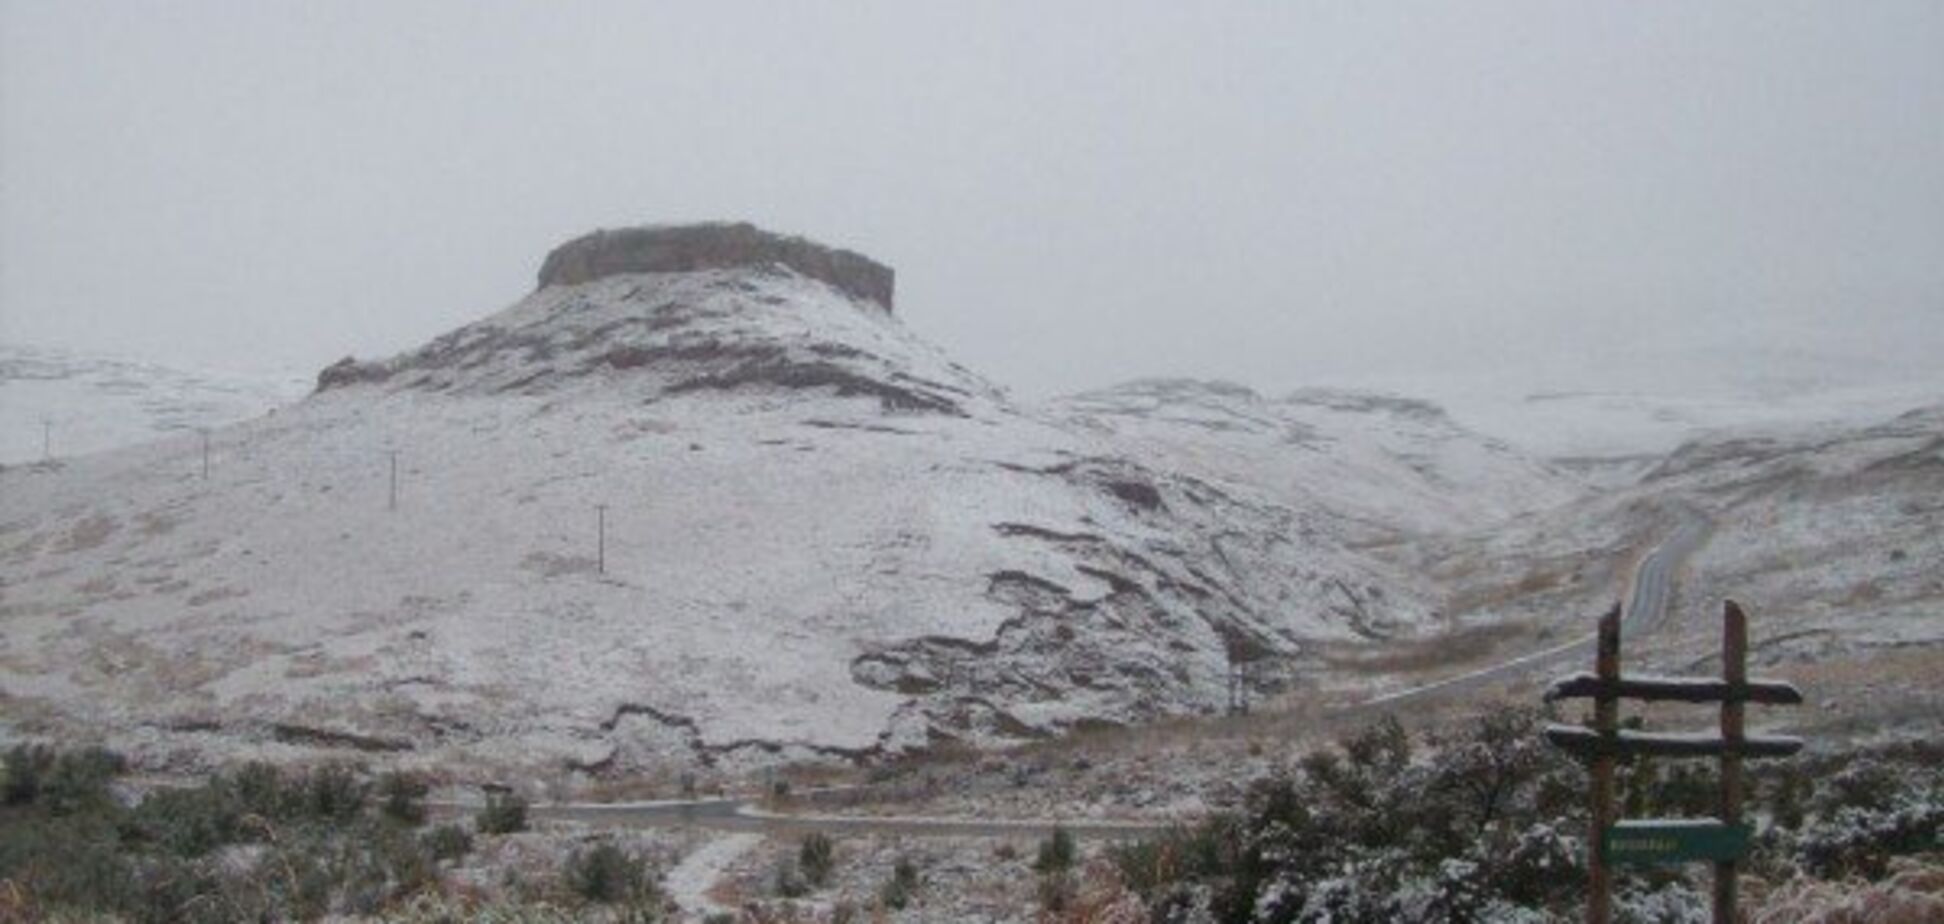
61, 403
821, 536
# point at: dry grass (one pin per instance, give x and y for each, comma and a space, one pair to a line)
1421, 655
90, 533
1102, 898
1914, 894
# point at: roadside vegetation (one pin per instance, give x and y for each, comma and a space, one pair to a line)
1477, 820
1488, 823
261, 844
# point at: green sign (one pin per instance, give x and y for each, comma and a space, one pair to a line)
1674, 840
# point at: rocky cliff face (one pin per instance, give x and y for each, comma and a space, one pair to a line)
686, 248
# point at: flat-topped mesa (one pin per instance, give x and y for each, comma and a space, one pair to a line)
684, 248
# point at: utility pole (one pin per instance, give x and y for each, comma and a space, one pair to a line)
47, 438
600, 547
205, 441
394, 478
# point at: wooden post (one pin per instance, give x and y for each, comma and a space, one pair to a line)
205, 441
1722, 841
1606, 723
1734, 670
393, 504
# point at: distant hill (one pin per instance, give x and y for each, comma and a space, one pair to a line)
67, 403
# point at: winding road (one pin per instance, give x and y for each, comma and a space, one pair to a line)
743, 823
1645, 611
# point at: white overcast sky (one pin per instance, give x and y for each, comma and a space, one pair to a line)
1072, 193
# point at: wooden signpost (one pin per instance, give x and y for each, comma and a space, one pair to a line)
1722, 840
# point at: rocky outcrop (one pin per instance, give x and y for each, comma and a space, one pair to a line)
685, 248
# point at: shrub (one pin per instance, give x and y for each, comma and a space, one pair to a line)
901, 887
504, 813
1151, 866
259, 790
1056, 892
607, 874
332, 792
447, 842
817, 856
66, 862
186, 822
402, 797
408, 865
64, 782
788, 881
24, 766
1056, 853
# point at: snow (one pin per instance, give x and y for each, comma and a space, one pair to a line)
689, 882
777, 513
1382, 463
62, 403
823, 539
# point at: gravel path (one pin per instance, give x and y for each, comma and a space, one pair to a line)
690, 881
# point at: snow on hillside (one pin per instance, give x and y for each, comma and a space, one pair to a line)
65, 403
1638, 424
1387, 466
1644, 403
822, 537
1833, 534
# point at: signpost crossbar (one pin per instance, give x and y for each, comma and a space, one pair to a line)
1675, 689
1722, 840
1581, 740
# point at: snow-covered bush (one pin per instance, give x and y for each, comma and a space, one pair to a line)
1487, 823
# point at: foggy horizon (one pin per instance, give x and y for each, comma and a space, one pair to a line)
1278, 196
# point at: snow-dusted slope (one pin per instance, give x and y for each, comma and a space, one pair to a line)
1386, 466
63, 403
1833, 534
821, 535
1642, 425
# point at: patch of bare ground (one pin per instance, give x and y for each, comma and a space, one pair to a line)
88, 534
1416, 656
1859, 697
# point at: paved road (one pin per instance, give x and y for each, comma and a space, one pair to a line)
1645, 611
741, 815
